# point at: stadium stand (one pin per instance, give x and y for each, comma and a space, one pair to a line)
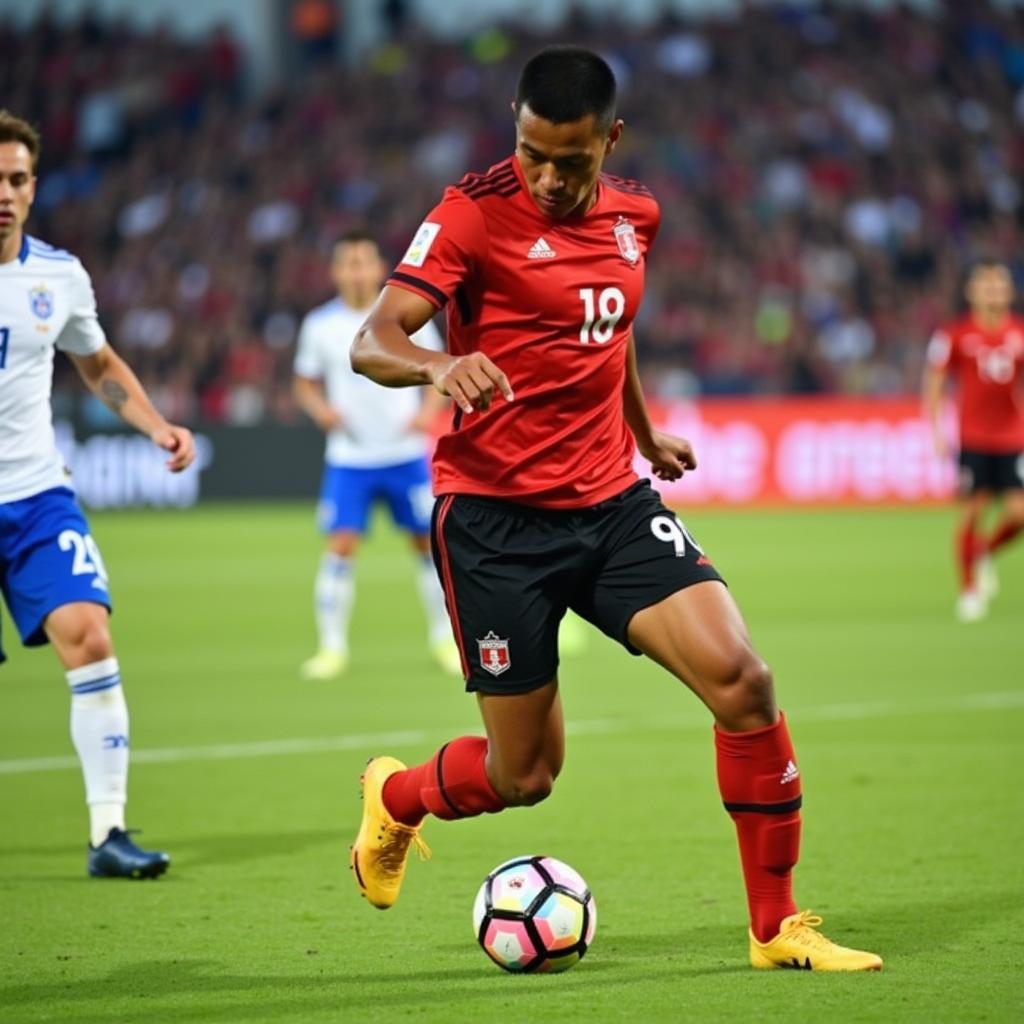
823, 173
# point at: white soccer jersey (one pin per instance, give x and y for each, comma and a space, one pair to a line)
46, 303
375, 419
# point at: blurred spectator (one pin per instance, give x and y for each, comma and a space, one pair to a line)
823, 174
313, 27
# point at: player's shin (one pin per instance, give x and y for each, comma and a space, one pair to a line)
335, 595
99, 730
1004, 532
760, 787
452, 784
968, 542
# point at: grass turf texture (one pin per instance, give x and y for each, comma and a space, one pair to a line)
913, 813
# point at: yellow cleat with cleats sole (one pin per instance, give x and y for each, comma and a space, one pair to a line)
800, 946
381, 850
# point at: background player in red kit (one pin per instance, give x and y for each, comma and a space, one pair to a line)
540, 263
984, 353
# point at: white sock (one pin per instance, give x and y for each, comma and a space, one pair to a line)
335, 594
99, 730
438, 624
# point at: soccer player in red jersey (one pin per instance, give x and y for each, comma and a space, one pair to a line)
540, 264
984, 353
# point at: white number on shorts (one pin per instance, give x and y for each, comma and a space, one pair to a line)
611, 304
671, 530
87, 558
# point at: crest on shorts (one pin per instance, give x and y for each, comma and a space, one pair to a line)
494, 657
40, 299
625, 236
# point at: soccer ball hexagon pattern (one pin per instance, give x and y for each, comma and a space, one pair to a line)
534, 914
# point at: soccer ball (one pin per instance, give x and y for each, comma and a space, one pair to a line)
534, 914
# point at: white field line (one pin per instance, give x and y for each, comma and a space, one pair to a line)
592, 727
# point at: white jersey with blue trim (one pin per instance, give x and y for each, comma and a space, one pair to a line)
375, 420
46, 303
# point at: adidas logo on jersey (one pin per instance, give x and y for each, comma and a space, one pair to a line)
540, 250
791, 774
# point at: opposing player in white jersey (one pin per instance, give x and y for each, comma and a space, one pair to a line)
376, 451
51, 572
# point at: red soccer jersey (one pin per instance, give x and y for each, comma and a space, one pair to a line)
552, 304
987, 365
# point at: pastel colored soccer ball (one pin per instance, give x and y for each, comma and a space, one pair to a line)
534, 914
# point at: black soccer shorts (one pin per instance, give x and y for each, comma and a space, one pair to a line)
510, 571
990, 471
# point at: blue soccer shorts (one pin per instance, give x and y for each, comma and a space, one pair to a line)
47, 559
348, 494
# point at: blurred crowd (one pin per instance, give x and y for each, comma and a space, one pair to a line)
823, 175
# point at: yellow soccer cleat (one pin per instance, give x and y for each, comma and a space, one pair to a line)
381, 849
799, 946
324, 665
447, 656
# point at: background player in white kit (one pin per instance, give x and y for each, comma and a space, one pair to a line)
51, 571
376, 451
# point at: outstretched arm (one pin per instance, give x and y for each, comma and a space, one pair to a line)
384, 352
670, 457
111, 380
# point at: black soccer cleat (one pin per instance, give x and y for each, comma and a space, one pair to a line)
118, 857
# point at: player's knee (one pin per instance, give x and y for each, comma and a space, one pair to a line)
92, 641
746, 696
529, 788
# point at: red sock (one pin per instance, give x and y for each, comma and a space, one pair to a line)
967, 544
1004, 533
452, 784
760, 787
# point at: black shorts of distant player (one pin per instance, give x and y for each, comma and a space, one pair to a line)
990, 472
511, 571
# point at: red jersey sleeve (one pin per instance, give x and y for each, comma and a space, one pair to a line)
450, 245
942, 349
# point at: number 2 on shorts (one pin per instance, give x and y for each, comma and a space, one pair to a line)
87, 558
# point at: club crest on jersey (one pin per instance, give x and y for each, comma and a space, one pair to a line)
625, 236
40, 299
494, 656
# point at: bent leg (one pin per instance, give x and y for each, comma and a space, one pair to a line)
515, 765
699, 635
1011, 524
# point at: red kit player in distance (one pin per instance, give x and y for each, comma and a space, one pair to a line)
983, 352
540, 264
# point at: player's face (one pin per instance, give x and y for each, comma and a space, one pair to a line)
561, 162
17, 187
358, 272
990, 290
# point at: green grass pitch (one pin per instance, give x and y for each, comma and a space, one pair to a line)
909, 729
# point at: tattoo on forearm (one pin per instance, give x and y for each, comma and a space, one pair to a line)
113, 394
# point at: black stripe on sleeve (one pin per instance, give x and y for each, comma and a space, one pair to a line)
462, 301
783, 808
424, 286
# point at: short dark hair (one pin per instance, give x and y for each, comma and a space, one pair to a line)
354, 236
15, 129
568, 83
985, 263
